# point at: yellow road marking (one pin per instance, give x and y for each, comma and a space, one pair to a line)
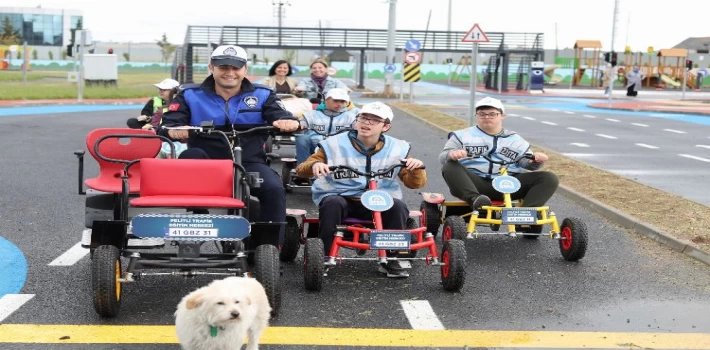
135, 334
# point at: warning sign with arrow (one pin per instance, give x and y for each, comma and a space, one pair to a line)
475, 35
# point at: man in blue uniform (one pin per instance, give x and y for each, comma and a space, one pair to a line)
232, 102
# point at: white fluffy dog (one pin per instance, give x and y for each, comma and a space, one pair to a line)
220, 315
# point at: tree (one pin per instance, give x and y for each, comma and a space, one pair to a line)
51, 55
289, 56
166, 49
127, 57
9, 35
64, 54
34, 54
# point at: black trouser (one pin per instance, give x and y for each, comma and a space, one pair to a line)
631, 90
334, 209
134, 123
271, 192
536, 187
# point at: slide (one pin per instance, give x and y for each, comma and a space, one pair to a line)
668, 80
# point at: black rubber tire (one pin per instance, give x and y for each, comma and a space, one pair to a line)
286, 175
105, 271
575, 231
292, 240
495, 227
268, 272
453, 274
313, 266
457, 225
312, 231
412, 224
432, 217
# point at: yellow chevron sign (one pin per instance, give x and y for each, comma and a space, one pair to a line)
412, 72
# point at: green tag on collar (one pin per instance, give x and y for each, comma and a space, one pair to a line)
213, 331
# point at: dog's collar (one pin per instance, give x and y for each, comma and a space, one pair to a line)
214, 330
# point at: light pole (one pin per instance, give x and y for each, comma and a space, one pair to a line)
389, 77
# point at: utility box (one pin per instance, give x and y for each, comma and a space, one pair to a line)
100, 69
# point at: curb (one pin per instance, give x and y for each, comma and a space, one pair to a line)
591, 105
617, 217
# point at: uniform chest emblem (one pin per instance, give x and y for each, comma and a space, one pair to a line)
251, 101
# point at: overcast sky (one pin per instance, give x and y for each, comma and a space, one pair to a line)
661, 24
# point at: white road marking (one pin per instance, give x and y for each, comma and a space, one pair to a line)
555, 110
639, 124
579, 154
549, 123
613, 120
71, 256
579, 144
675, 131
647, 146
529, 118
576, 129
568, 112
703, 146
420, 315
589, 116
607, 136
694, 157
514, 115
9, 303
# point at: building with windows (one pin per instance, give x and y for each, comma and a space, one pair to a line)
40, 26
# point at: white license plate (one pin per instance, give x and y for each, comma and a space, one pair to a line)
193, 232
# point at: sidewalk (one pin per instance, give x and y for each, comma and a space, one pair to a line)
665, 106
28, 103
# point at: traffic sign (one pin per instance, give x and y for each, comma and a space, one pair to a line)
412, 72
412, 57
475, 35
390, 68
413, 45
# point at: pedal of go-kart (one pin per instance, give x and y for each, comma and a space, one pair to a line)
405, 264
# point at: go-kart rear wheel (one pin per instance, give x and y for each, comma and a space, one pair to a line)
313, 264
292, 240
453, 268
286, 175
268, 272
573, 240
454, 228
431, 215
105, 272
412, 223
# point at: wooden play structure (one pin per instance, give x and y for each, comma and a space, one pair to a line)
582, 62
464, 63
666, 72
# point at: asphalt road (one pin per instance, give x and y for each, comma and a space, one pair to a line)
624, 284
671, 153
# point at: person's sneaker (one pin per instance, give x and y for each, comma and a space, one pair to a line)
393, 269
480, 201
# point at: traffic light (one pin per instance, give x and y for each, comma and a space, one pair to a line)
69, 50
613, 59
607, 57
689, 64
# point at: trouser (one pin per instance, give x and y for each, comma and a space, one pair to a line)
134, 123
631, 90
334, 209
536, 188
305, 146
271, 193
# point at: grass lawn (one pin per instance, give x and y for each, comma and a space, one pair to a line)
54, 85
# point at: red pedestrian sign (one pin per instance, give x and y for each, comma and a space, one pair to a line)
475, 35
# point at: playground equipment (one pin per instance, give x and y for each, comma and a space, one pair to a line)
464, 63
674, 71
581, 61
549, 71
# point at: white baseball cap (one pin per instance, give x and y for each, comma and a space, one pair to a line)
490, 102
167, 84
230, 55
379, 109
338, 94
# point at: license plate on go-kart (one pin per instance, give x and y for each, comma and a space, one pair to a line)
392, 240
519, 216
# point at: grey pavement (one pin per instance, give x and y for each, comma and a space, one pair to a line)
625, 283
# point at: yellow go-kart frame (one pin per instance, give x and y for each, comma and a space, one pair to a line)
519, 220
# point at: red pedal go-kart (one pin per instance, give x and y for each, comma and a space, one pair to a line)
141, 202
365, 235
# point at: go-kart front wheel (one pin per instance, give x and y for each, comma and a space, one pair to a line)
313, 264
453, 268
105, 273
431, 215
573, 239
292, 240
268, 272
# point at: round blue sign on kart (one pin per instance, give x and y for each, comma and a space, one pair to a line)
377, 200
506, 184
